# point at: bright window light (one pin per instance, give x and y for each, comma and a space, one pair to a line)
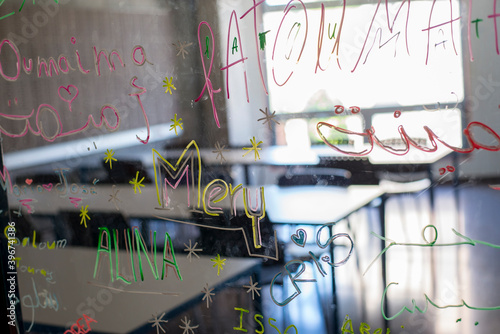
371, 76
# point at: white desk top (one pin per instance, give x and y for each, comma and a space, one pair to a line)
316, 204
323, 204
73, 268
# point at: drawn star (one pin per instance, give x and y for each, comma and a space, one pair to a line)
84, 215
254, 148
219, 263
181, 47
252, 287
114, 197
168, 84
268, 118
156, 323
220, 150
137, 184
187, 326
208, 294
177, 123
192, 250
109, 157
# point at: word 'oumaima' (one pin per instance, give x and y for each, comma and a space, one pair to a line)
11, 72
63, 65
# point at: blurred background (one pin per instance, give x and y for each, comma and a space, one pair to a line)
138, 131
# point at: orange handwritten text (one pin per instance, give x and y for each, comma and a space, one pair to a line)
80, 328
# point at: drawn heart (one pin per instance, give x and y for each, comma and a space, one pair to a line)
71, 92
299, 238
47, 187
29, 181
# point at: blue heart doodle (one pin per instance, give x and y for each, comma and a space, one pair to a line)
299, 238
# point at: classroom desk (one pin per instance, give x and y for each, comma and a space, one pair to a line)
317, 205
73, 268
